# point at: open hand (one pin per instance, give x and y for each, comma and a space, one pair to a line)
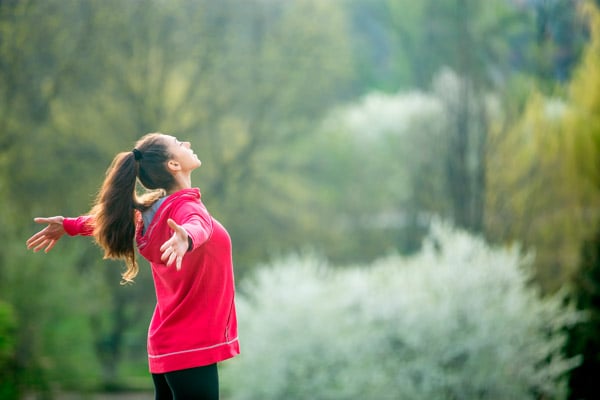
175, 248
47, 237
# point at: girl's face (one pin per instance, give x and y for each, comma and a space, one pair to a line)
182, 154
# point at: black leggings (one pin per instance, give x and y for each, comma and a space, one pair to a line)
201, 383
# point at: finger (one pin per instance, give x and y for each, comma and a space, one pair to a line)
178, 263
35, 248
165, 254
172, 224
38, 238
166, 245
43, 220
35, 242
178, 230
50, 246
172, 258
35, 238
39, 246
30, 242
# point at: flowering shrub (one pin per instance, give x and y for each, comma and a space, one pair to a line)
456, 321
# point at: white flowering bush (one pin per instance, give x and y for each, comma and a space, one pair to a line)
457, 321
379, 114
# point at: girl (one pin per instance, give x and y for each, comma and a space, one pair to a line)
194, 323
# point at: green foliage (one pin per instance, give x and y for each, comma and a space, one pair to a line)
458, 320
231, 77
8, 346
534, 197
80, 81
582, 121
7, 332
582, 128
548, 198
248, 82
403, 44
542, 186
53, 302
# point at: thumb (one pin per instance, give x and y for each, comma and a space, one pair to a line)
172, 224
42, 220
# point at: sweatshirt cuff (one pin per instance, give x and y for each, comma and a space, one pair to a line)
78, 226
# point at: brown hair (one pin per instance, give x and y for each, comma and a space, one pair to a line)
115, 205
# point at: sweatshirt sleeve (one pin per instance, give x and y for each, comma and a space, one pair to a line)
197, 222
83, 225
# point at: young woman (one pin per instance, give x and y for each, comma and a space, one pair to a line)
194, 323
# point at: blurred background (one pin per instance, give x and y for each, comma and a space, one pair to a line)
412, 190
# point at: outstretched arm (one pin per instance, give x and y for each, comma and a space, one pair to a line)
58, 226
47, 237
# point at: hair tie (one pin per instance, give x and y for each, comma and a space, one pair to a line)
137, 154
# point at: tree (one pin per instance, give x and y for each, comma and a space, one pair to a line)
533, 195
489, 46
560, 36
582, 125
537, 196
388, 155
547, 199
230, 76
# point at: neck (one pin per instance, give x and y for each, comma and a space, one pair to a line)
182, 181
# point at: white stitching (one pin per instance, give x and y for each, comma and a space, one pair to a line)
192, 350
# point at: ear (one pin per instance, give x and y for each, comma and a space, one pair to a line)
173, 165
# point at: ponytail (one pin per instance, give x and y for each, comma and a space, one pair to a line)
114, 213
116, 204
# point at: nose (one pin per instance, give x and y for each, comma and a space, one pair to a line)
187, 144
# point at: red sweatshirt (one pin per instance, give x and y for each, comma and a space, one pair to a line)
194, 322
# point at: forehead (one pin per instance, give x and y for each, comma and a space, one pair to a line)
171, 141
